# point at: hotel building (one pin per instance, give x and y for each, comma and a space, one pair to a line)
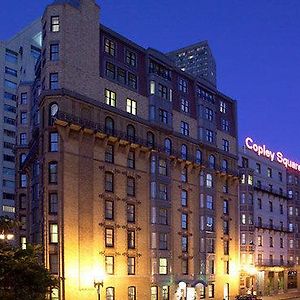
17, 59
131, 167
267, 246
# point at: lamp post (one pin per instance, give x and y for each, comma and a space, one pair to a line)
98, 282
7, 237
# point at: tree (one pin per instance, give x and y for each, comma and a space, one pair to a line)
22, 276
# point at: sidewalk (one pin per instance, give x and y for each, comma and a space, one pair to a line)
291, 295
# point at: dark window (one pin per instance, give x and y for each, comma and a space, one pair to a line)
131, 58
184, 151
53, 142
10, 96
22, 201
130, 186
162, 91
53, 260
110, 70
163, 116
53, 203
150, 139
185, 266
185, 128
23, 99
11, 71
182, 85
212, 162
53, 174
131, 159
54, 52
53, 81
109, 182
121, 75
11, 56
109, 153
225, 207
109, 125
109, 47
198, 157
168, 146
132, 80
131, 133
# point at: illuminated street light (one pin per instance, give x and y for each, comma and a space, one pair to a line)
98, 281
7, 237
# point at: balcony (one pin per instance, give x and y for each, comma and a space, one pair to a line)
273, 227
271, 191
274, 263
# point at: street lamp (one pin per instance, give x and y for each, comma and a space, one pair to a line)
7, 237
98, 281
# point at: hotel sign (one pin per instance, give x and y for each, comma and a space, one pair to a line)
261, 150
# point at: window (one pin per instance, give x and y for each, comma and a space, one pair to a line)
224, 165
211, 290
109, 210
131, 106
185, 128
11, 109
131, 159
259, 240
53, 81
163, 191
269, 172
184, 244
165, 292
163, 266
226, 247
130, 186
198, 157
23, 181
212, 161
280, 176
109, 153
11, 72
109, 182
208, 113
259, 203
184, 221
121, 75
225, 207
209, 181
243, 219
109, 237
271, 241
22, 200
184, 266
53, 174
162, 91
259, 221
53, 260
152, 87
243, 238
11, 56
132, 81
163, 116
53, 110
150, 139
163, 216
226, 227
109, 265
271, 206
163, 241
23, 139
131, 293
281, 242
131, 58
162, 167
258, 168
53, 142
182, 85
209, 202
131, 213
54, 52
226, 267
53, 203
109, 126
168, 146
130, 133
225, 145
184, 198
110, 98
223, 107
185, 105
183, 175
225, 125
9, 84
54, 24
110, 70
131, 239
110, 293
154, 293
9, 121
109, 47
184, 151
209, 136
53, 233
281, 209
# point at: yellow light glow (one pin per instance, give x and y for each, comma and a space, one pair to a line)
2, 236
250, 269
99, 275
10, 236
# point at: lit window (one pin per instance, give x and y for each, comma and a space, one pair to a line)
152, 87
182, 85
23, 139
165, 292
223, 107
131, 293
209, 181
53, 236
109, 265
154, 293
23, 242
131, 106
23, 98
131, 239
185, 105
184, 197
55, 23
163, 266
209, 136
109, 237
110, 98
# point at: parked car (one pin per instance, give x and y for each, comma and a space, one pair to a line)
246, 297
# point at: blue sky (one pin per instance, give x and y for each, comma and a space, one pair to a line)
256, 44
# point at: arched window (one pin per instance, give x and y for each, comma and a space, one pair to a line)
150, 139
131, 133
184, 151
224, 165
53, 110
53, 174
109, 125
198, 157
212, 161
168, 146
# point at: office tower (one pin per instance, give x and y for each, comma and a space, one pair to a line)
131, 167
17, 59
196, 59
